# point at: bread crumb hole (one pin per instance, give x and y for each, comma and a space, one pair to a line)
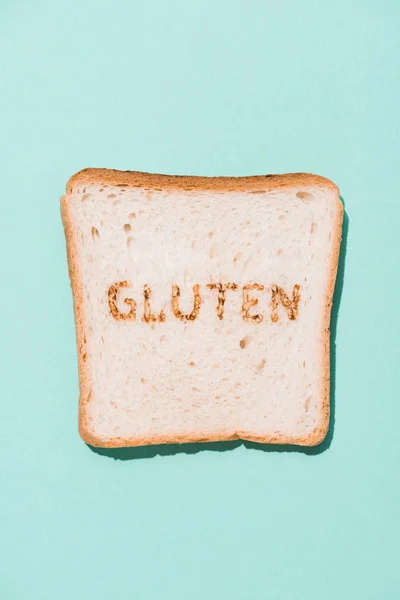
210, 234
132, 215
86, 197
307, 404
192, 364
143, 380
244, 342
305, 196
304, 364
313, 227
247, 262
279, 251
130, 241
163, 339
212, 252
112, 196
261, 365
84, 357
101, 190
95, 233
237, 257
127, 228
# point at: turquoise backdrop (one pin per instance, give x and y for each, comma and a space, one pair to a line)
198, 87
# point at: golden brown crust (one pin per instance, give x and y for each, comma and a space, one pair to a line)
76, 285
118, 442
223, 184
257, 183
319, 434
195, 437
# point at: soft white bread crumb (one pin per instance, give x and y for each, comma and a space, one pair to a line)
210, 378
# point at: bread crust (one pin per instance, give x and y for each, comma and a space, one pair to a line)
256, 183
253, 184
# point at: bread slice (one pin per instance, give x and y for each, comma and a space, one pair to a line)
202, 305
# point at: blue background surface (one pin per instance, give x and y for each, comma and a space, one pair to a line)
198, 87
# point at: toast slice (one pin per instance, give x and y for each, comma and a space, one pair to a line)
202, 305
